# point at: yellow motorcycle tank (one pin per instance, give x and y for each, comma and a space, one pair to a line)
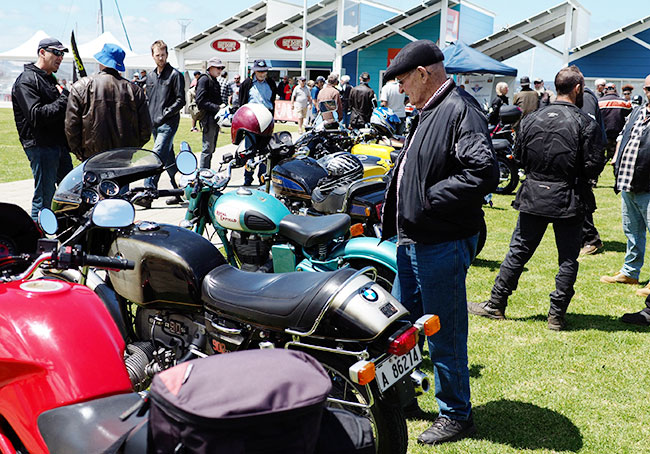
374, 166
373, 149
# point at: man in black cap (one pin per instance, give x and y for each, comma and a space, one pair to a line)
362, 101
208, 100
39, 104
434, 206
258, 89
527, 99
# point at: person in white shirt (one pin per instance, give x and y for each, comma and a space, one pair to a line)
393, 98
300, 101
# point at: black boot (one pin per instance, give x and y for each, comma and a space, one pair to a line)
556, 322
487, 309
176, 200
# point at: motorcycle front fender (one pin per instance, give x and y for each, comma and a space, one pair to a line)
367, 248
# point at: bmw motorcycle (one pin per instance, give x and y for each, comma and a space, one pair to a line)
182, 300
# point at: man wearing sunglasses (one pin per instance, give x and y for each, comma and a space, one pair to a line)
39, 104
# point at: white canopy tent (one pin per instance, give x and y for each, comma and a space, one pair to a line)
27, 51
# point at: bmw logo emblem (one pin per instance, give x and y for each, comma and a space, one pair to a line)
369, 294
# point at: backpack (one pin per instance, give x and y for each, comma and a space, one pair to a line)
192, 107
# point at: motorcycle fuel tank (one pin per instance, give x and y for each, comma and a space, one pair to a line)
295, 178
248, 210
170, 264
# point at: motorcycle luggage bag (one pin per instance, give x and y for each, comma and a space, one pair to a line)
256, 401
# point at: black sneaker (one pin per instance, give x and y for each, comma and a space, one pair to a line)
144, 203
556, 323
445, 429
636, 318
174, 201
487, 309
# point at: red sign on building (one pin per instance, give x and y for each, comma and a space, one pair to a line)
225, 45
290, 43
392, 53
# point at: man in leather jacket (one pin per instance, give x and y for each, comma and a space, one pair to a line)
208, 99
434, 205
105, 110
39, 104
561, 149
362, 101
166, 95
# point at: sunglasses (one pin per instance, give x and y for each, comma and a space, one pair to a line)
646, 88
57, 52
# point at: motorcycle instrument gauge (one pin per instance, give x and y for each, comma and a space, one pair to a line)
90, 178
7, 247
89, 196
109, 188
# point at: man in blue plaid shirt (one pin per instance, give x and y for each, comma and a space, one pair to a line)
632, 171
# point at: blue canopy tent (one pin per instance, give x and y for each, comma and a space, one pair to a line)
462, 59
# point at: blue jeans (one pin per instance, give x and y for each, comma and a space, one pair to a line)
163, 146
431, 279
635, 212
49, 165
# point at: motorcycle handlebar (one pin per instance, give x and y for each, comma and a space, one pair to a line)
113, 263
170, 192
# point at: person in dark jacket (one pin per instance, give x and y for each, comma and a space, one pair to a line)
258, 89
208, 99
561, 149
39, 104
105, 110
499, 100
166, 96
362, 101
433, 204
591, 242
632, 172
346, 88
614, 110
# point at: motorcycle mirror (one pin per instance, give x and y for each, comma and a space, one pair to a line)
47, 221
186, 161
185, 146
227, 157
113, 213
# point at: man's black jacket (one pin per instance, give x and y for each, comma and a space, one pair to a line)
245, 90
614, 111
361, 105
208, 96
39, 109
561, 149
165, 94
450, 166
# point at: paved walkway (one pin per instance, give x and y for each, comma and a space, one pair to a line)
21, 192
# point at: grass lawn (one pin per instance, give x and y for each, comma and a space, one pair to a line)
585, 390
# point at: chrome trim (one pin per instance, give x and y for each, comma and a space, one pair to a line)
329, 301
351, 404
360, 355
223, 329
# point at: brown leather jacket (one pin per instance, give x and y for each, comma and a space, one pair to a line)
106, 111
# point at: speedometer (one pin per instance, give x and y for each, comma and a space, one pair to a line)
109, 188
89, 196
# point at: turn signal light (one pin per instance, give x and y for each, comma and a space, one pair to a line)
405, 342
356, 230
362, 372
428, 324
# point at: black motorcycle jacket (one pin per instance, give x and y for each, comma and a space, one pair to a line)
165, 94
208, 95
449, 167
561, 149
361, 105
39, 109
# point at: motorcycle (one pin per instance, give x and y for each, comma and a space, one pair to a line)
182, 300
503, 138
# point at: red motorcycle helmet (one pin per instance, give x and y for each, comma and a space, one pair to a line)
254, 119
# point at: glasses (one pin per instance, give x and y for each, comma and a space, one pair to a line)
403, 79
646, 88
57, 52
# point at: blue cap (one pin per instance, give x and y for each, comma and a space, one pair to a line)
112, 56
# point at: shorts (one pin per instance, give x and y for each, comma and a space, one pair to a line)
300, 112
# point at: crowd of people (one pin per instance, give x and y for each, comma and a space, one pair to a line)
433, 202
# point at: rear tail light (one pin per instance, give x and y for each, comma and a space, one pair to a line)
378, 208
362, 372
356, 230
428, 324
405, 342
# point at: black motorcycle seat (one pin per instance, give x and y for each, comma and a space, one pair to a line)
91, 426
310, 231
282, 300
500, 145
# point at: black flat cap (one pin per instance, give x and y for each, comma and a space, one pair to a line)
417, 53
524, 80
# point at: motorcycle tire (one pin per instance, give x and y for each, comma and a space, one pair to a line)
386, 415
508, 176
385, 276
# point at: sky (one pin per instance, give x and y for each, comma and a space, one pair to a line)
149, 20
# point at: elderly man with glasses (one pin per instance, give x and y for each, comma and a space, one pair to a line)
39, 104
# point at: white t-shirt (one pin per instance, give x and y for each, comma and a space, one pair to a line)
301, 96
394, 99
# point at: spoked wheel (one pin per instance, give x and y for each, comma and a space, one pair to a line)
508, 176
385, 276
383, 412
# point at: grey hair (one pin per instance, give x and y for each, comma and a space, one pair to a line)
333, 78
499, 88
345, 79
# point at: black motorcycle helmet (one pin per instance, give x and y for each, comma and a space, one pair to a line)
637, 100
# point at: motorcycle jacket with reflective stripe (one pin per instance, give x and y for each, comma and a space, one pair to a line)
450, 166
614, 111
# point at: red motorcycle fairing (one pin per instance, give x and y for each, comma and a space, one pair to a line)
58, 346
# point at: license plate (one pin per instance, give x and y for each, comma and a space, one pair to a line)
393, 368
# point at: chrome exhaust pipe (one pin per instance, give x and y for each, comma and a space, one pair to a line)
421, 382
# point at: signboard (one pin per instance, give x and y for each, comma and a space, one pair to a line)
392, 53
481, 87
453, 18
290, 43
284, 112
225, 45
